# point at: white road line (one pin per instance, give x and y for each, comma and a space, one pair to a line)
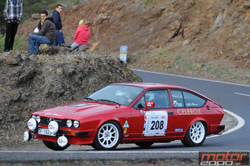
202, 79
240, 120
102, 152
242, 94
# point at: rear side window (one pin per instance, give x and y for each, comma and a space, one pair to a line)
192, 100
177, 98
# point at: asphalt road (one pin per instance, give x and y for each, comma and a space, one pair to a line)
233, 97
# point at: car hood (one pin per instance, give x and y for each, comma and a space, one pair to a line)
76, 110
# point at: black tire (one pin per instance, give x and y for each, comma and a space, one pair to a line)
144, 144
108, 136
54, 145
195, 135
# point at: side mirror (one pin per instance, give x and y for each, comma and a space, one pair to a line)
149, 104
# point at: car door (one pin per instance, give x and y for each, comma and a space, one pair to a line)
186, 107
156, 121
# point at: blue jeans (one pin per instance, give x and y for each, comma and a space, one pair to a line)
35, 41
59, 38
74, 46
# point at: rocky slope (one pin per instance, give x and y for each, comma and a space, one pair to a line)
31, 83
213, 30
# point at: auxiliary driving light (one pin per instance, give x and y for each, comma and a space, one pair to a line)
26, 136
62, 141
53, 127
32, 124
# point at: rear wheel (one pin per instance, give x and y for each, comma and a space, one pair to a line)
54, 145
144, 144
196, 135
108, 136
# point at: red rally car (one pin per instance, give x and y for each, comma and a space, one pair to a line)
140, 113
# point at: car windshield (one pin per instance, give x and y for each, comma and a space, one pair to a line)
118, 94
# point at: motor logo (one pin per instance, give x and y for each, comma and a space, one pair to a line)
223, 158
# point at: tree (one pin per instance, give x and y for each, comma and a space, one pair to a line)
2, 21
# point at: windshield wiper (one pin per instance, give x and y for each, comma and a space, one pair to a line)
88, 98
110, 101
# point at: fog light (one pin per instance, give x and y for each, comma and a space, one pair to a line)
32, 124
62, 141
26, 136
53, 127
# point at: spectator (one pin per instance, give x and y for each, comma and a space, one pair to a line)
45, 35
44, 15
13, 11
58, 22
82, 35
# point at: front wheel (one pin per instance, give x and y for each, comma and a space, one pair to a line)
195, 135
54, 145
108, 136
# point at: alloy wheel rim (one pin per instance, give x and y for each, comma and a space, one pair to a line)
108, 135
197, 132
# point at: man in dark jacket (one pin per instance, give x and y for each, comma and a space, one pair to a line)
58, 22
45, 35
13, 11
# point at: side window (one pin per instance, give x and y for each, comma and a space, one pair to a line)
192, 100
160, 97
177, 98
140, 104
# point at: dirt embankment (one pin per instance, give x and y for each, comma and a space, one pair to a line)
31, 83
214, 30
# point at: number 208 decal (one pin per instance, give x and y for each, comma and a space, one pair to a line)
157, 125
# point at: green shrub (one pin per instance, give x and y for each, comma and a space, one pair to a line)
2, 39
18, 44
52, 6
147, 1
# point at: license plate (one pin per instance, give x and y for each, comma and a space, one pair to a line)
42, 131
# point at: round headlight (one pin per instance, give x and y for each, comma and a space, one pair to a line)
76, 124
69, 123
38, 119
33, 116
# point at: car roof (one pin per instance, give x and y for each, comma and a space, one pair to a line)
159, 85
153, 85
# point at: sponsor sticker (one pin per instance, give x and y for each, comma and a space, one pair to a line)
189, 112
126, 125
224, 158
125, 130
178, 130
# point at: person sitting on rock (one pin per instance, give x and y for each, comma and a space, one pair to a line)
46, 35
82, 35
43, 15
